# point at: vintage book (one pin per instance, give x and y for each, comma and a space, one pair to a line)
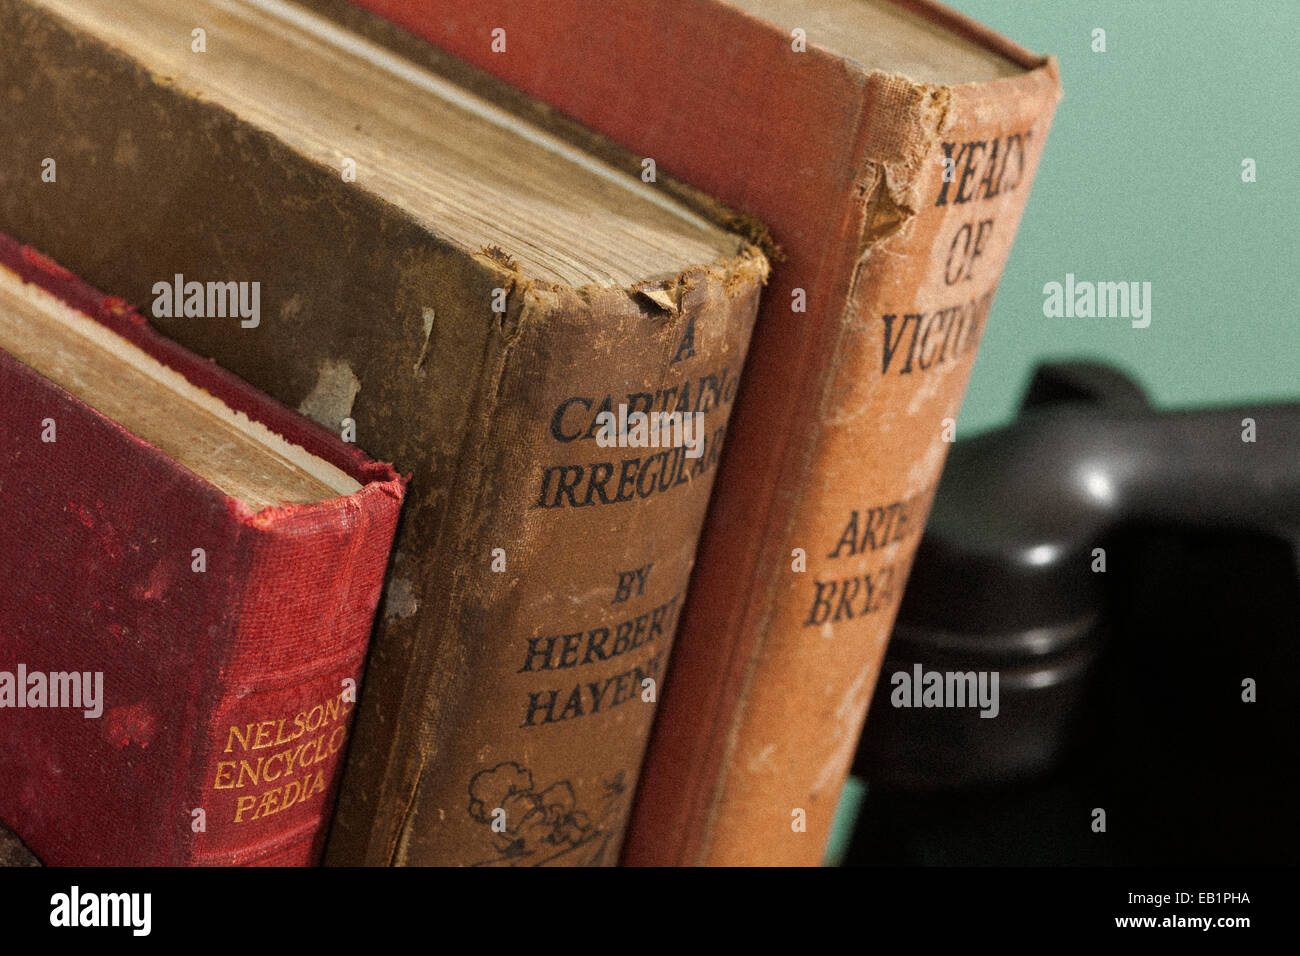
890, 148
487, 306
191, 574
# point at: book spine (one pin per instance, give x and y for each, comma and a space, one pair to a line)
268, 756
945, 189
180, 616
272, 638
510, 729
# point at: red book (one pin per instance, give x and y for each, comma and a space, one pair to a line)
178, 667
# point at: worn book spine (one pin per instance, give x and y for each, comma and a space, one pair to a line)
565, 574
537, 577
216, 649
861, 354
926, 253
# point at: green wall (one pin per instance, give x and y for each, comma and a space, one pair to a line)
1141, 180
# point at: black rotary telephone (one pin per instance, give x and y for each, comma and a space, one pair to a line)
1131, 576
